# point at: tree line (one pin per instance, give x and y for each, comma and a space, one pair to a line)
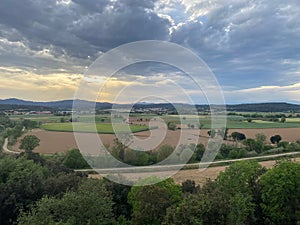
39, 190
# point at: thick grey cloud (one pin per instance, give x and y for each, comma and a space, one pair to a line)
80, 28
244, 41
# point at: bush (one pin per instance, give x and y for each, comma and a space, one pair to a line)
238, 136
275, 139
171, 126
283, 144
74, 160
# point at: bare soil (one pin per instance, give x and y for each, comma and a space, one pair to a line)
52, 141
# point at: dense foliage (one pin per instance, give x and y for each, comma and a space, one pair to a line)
38, 190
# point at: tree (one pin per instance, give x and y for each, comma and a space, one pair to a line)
171, 126
260, 137
119, 192
75, 160
238, 136
149, 203
189, 186
282, 120
240, 183
275, 139
253, 145
250, 144
198, 153
21, 184
91, 204
136, 157
164, 152
29, 142
209, 206
118, 150
212, 133
224, 133
30, 124
281, 194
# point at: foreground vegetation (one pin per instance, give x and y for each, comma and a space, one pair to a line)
45, 190
37, 190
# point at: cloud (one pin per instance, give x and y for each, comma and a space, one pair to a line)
243, 41
290, 93
80, 28
247, 44
32, 86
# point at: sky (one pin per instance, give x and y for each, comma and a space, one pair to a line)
251, 46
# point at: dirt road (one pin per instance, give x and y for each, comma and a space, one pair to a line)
6, 150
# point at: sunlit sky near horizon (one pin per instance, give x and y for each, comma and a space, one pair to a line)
252, 47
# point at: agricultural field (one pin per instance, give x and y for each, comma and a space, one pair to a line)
55, 141
105, 128
56, 136
233, 121
236, 122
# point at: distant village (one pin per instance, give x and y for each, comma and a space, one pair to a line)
158, 111
22, 112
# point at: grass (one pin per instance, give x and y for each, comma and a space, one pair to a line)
261, 125
293, 120
233, 122
104, 128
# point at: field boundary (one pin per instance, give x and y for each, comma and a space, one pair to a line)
204, 165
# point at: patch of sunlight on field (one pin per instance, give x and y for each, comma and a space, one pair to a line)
293, 120
262, 121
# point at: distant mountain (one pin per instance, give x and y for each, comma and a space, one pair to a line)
24, 108
64, 104
264, 107
68, 104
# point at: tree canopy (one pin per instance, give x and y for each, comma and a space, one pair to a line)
29, 142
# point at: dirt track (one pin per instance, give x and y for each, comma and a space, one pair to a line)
199, 176
52, 142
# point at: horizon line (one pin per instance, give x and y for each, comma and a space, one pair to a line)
236, 103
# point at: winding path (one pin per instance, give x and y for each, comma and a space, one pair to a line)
6, 150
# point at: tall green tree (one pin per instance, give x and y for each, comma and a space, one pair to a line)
29, 142
91, 204
240, 183
149, 203
75, 160
21, 184
207, 207
281, 194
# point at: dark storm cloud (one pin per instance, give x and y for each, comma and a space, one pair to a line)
81, 28
244, 41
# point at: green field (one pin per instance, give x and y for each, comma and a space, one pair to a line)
238, 122
104, 128
51, 122
56, 119
293, 120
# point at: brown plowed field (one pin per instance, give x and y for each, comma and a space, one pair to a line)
52, 141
